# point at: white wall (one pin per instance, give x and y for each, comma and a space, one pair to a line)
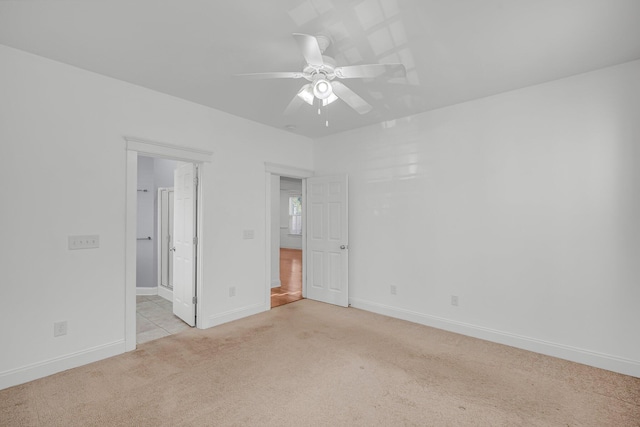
163, 173
525, 205
288, 187
145, 253
153, 173
62, 166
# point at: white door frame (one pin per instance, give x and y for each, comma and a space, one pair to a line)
135, 147
289, 172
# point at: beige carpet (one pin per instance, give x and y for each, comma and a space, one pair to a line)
309, 363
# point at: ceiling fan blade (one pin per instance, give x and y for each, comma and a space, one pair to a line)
293, 106
310, 48
275, 75
352, 99
370, 71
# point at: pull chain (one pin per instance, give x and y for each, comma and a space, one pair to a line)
326, 111
321, 106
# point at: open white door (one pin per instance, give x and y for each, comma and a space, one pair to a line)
165, 215
184, 249
328, 240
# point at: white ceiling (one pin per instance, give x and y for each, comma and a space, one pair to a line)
454, 50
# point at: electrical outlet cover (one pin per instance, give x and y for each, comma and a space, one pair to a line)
59, 329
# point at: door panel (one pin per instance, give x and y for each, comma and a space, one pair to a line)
335, 268
327, 239
184, 232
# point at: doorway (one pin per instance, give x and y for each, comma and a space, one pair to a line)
155, 314
287, 246
274, 173
188, 211
325, 234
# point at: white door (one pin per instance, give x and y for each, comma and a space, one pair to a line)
184, 243
170, 220
166, 237
327, 240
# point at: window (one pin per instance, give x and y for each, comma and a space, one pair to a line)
295, 215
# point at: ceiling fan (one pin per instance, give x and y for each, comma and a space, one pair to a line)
321, 72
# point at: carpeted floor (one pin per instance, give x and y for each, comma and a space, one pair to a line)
309, 363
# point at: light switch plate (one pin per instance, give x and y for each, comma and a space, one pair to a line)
84, 242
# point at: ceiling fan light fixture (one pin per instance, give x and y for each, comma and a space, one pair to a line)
329, 100
306, 95
322, 88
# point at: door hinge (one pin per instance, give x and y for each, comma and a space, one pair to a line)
195, 181
195, 240
194, 300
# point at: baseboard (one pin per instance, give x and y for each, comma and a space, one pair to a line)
276, 283
147, 291
165, 293
561, 351
52, 366
231, 315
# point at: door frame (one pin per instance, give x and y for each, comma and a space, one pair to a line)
289, 172
134, 148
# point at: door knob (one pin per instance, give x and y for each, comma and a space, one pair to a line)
173, 249
343, 247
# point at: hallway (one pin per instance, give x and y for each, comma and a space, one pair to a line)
290, 289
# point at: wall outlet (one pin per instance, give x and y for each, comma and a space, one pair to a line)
232, 291
394, 291
454, 300
84, 242
60, 329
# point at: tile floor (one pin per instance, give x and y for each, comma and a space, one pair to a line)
155, 318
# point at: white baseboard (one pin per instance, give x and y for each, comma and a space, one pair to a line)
147, 291
276, 283
561, 351
231, 315
49, 367
165, 293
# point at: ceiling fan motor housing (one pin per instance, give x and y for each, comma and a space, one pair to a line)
327, 69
